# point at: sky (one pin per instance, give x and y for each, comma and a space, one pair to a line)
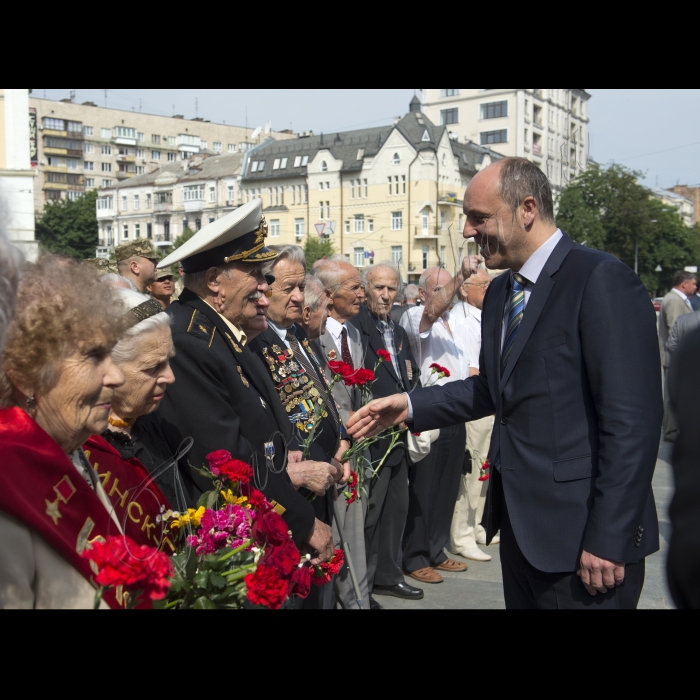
653, 131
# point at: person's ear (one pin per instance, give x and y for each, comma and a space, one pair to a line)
134, 267
306, 315
211, 279
528, 211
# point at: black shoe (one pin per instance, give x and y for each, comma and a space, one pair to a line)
373, 605
400, 590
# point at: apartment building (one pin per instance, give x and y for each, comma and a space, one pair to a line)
547, 126
160, 205
692, 193
16, 173
683, 205
81, 147
390, 193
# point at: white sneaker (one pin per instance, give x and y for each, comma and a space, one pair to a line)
474, 554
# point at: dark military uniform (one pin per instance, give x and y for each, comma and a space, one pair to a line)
225, 399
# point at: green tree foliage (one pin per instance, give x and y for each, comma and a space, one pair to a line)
317, 248
69, 227
609, 210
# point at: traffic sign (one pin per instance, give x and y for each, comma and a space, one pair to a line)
320, 228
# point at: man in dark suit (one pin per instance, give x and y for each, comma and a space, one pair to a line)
570, 366
222, 396
387, 506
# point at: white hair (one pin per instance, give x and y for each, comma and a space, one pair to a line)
11, 260
388, 266
314, 292
293, 253
329, 272
118, 282
411, 292
127, 348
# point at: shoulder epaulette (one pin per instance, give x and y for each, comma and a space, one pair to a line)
202, 327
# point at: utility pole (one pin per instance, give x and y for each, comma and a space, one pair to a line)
106, 91
196, 108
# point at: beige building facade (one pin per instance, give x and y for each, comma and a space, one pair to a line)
691, 193
683, 205
81, 147
16, 173
547, 126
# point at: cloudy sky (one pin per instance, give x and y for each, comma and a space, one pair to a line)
654, 131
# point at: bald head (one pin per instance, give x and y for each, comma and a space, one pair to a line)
431, 282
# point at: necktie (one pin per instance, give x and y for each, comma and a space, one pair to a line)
345, 349
514, 315
313, 375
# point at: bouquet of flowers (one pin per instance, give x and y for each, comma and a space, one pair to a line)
231, 549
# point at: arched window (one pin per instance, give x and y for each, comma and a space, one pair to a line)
324, 167
397, 159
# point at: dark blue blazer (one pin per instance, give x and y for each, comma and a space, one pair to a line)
578, 411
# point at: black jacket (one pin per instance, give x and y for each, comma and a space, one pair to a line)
578, 411
224, 398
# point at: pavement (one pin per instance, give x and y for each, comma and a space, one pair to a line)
480, 586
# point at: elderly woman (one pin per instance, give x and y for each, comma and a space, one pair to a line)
57, 385
143, 356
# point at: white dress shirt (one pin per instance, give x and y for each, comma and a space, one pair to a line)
335, 328
683, 296
282, 333
469, 324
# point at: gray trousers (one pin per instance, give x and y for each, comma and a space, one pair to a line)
353, 522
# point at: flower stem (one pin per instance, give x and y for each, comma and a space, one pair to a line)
236, 551
98, 597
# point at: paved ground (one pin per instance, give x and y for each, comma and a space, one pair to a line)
480, 586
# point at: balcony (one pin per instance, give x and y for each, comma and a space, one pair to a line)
126, 159
450, 198
194, 205
425, 233
162, 240
162, 207
123, 175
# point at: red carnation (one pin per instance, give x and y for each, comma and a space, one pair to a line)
350, 496
301, 582
485, 465
485, 477
363, 376
269, 528
235, 470
416, 434
384, 355
340, 368
256, 498
440, 369
335, 563
323, 573
266, 587
352, 481
283, 558
122, 562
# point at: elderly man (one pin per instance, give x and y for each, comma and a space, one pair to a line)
137, 262
299, 381
341, 341
675, 304
410, 296
434, 482
222, 396
314, 311
575, 383
10, 263
387, 506
466, 530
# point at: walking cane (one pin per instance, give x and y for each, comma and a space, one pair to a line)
346, 549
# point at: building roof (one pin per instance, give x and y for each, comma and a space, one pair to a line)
669, 194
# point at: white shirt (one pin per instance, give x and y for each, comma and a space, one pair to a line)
469, 324
682, 296
282, 333
437, 344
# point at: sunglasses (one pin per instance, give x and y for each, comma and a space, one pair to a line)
166, 278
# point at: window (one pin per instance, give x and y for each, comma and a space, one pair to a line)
426, 222
106, 133
125, 132
283, 164
87, 131
328, 185
125, 204
389, 179
320, 210
261, 166
359, 257
449, 93
494, 110
54, 124
204, 144
140, 136
370, 225
137, 230
299, 228
403, 184
193, 193
396, 254
105, 202
276, 164
396, 220
396, 184
89, 165
304, 161
123, 151
137, 203
320, 185
106, 167
155, 138
488, 137
324, 167
125, 231
106, 150
352, 189
230, 194
359, 223
297, 161
148, 202
365, 182
254, 166
149, 230
274, 228
155, 155
397, 159
73, 195
442, 255
211, 219
217, 145
328, 210
212, 194
449, 116
140, 153
443, 220
306, 194
172, 156
89, 183
53, 194
232, 148
106, 183
54, 162
425, 257
166, 230
88, 147
197, 224
347, 227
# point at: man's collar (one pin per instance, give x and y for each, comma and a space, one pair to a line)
280, 330
238, 333
334, 327
535, 263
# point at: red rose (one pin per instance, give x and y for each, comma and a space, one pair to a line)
266, 587
216, 459
283, 558
301, 582
269, 528
340, 368
384, 355
235, 470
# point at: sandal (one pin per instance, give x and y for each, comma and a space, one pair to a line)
425, 575
451, 565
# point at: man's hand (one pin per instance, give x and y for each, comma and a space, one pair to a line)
319, 543
470, 265
597, 575
377, 415
315, 476
342, 449
294, 456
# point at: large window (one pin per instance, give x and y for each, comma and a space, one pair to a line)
106, 167
212, 194
54, 124
125, 231
155, 155
106, 150
396, 220
137, 202
359, 257
449, 116
87, 130
125, 132
192, 194
89, 165
106, 133
125, 203
299, 228
494, 110
488, 137
274, 228
425, 257
396, 255
359, 223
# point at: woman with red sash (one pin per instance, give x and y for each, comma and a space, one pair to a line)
57, 384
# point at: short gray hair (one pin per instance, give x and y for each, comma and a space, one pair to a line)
314, 292
367, 271
11, 260
329, 272
519, 179
127, 348
118, 282
411, 292
293, 253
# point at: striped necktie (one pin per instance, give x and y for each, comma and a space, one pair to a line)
514, 315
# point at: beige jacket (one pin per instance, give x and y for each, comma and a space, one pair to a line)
672, 307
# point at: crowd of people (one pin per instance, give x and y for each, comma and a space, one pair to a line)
533, 427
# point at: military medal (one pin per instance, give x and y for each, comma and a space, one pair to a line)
409, 370
332, 354
246, 383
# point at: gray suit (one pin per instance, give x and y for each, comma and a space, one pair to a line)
353, 516
683, 325
672, 307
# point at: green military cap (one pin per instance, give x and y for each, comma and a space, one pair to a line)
142, 248
102, 265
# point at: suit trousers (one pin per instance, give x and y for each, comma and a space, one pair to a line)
527, 588
433, 484
386, 518
670, 426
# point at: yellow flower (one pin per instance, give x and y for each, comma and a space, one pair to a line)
233, 500
191, 517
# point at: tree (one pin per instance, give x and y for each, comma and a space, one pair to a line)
317, 248
69, 226
609, 210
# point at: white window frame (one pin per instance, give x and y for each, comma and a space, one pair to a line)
359, 223
212, 194
396, 254
299, 228
274, 228
396, 220
359, 254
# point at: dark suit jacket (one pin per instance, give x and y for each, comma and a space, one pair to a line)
396, 312
224, 398
387, 382
695, 302
684, 550
578, 411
